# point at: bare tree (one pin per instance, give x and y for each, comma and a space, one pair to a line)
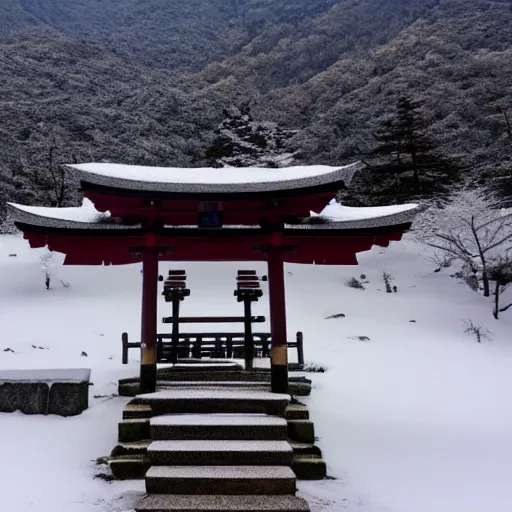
501, 274
472, 228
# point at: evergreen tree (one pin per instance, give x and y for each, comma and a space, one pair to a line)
241, 141
404, 162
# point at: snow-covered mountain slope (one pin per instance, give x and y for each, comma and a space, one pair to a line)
416, 418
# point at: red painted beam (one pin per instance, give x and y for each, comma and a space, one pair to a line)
118, 250
179, 212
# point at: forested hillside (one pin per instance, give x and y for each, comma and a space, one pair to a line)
65, 101
455, 58
147, 82
171, 34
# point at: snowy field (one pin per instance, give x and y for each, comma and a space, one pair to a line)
416, 419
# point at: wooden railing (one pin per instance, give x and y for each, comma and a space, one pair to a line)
217, 345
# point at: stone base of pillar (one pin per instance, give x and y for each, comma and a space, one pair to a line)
279, 378
147, 378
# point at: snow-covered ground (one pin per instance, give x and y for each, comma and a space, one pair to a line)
417, 418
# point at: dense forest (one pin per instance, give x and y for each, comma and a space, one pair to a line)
150, 83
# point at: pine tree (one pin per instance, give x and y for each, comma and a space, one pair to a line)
405, 152
243, 142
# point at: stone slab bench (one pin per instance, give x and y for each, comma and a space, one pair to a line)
64, 392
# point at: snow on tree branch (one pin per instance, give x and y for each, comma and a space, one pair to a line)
243, 142
472, 228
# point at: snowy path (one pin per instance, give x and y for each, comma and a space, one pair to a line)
418, 418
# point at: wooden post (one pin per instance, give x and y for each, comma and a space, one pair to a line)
300, 348
175, 329
248, 340
277, 300
149, 319
197, 348
124, 339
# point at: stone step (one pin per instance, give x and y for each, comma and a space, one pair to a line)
173, 503
202, 365
301, 431
132, 448
129, 467
299, 388
230, 480
309, 467
205, 384
296, 412
294, 388
211, 374
214, 401
134, 411
132, 389
169, 374
133, 430
220, 453
218, 426
305, 449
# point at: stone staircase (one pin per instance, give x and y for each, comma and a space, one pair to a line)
205, 445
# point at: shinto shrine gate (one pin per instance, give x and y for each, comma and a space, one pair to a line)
144, 214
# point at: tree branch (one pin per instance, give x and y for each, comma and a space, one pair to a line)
505, 308
499, 242
452, 239
502, 220
445, 249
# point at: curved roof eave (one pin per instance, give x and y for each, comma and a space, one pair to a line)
212, 180
63, 218
365, 218
74, 219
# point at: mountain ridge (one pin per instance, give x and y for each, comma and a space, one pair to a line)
331, 70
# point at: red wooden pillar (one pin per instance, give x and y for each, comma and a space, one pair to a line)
277, 299
149, 317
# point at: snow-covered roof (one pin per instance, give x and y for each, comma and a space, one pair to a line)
337, 216
337, 212
333, 217
80, 217
211, 180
